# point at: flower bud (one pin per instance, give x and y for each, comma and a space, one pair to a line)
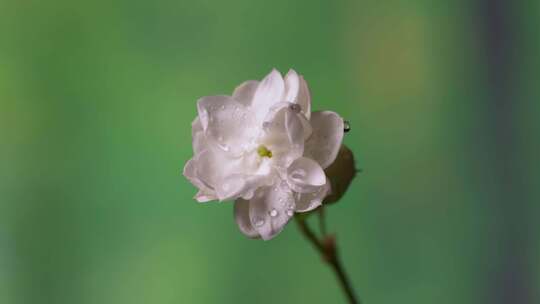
340, 173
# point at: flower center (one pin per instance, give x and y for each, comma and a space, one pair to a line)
264, 152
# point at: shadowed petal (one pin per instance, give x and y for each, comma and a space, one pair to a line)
325, 141
241, 216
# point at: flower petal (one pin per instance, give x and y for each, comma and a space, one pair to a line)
197, 134
324, 143
214, 167
304, 98
226, 123
244, 93
292, 85
270, 209
305, 175
283, 133
232, 177
206, 192
241, 216
203, 197
308, 201
269, 92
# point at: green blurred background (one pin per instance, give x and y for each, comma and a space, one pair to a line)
96, 101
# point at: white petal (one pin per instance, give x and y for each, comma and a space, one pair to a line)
203, 197
304, 98
198, 139
305, 175
241, 216
232, 177
227, 124
270, 209
206, 192
325, 141
292, 85
244, 93
283, 134
306, 125
214, 167
308, 201
269, 92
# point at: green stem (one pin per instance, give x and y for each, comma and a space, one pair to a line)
328, 250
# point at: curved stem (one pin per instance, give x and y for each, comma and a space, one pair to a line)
328, 250
322, 221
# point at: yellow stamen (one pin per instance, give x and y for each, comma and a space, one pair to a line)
264, 152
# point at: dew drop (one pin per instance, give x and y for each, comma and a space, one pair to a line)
223, 147
290, 212
222, 107
295, 107
346, 126
259, 222
273, 213
298, 174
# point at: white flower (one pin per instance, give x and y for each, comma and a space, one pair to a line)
263, 148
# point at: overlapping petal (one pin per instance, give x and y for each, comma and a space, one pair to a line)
241, 216
292, 86
206, 191
270, 209
226, 123
269, 92
304, 175
283, 134
304, 98
324, 143
308, 201
244, 93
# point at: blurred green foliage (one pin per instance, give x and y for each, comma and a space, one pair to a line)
96, 101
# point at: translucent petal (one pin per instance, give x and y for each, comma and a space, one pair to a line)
325, 141
227, 124
269, 92
292, 85
241, 216
244, 93
270, 210
305, 175
308, 201
283, 134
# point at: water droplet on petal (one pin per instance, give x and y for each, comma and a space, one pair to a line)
346, 126
259, 222
222, 107
295, 107
298, 174
224, 147
290, 212
273, 213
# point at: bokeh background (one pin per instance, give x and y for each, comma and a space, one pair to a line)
96, 101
